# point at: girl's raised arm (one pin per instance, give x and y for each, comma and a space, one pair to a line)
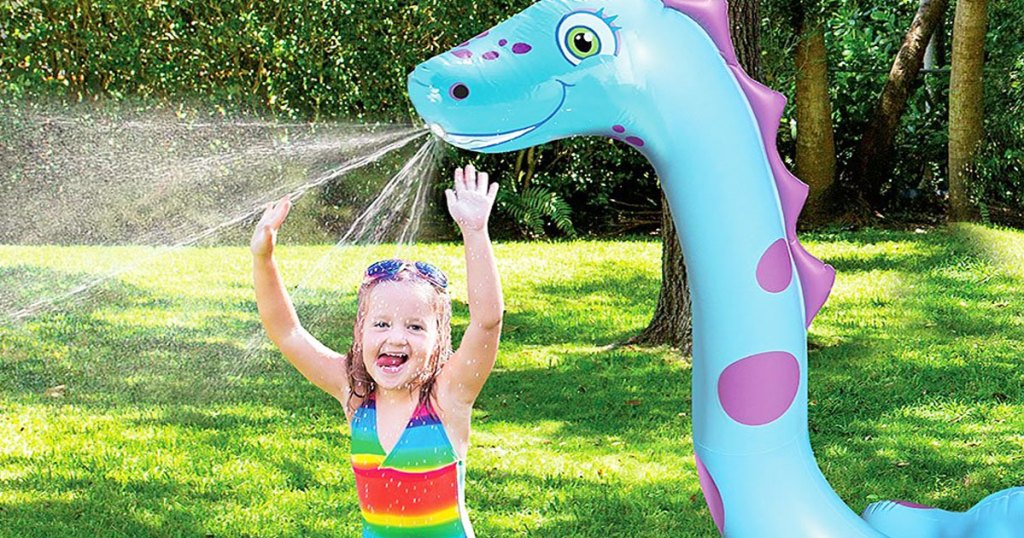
324, 367
470, 205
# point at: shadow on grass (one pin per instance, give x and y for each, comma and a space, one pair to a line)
122, 345
587, 311
868, 435
584, 507
633, 395
924, 251
94, 506
952, 339
139, 507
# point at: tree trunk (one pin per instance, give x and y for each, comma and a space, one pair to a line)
965, 104
873, 159
935, 53
815, 144
671, 321
745, 26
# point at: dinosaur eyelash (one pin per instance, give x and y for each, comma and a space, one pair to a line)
608, 19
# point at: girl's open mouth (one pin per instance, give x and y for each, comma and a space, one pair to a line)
391, 363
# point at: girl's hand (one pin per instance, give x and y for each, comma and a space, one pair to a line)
471, 201
265, 236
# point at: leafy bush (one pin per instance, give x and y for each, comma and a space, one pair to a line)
323, 60
862, 39
342, 60
1000, 165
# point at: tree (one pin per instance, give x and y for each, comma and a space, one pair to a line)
815, 141
745, 27
872, 162
671, 323
965, 104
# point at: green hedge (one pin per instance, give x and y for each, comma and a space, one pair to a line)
330, 60
334, 60
308, 60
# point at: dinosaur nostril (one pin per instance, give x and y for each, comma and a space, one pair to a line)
459, 91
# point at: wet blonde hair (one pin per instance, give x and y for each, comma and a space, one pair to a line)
361, 383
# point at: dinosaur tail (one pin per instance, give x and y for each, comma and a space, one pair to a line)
1000, 515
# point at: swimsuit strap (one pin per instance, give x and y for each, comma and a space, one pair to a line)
429, 405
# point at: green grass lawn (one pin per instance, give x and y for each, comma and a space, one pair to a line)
178, 419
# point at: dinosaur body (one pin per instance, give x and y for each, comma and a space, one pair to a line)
661, 76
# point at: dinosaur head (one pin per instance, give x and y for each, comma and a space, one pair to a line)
661, 75
559, 68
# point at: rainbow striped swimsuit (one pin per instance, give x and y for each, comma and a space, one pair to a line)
416, 490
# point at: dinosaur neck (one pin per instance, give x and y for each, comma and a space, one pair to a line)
749, 371
712, 163
749, 332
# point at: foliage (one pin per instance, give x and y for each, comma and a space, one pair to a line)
608, 187
1000, 170
862, 39
304, 60
330, 60
337, 59
530, 207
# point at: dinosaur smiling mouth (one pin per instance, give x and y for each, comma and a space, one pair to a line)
478, 141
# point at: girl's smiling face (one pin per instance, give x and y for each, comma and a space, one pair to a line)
399, 334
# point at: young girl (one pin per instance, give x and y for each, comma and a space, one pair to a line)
406, 395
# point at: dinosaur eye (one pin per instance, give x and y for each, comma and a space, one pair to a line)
583, 42
583, 34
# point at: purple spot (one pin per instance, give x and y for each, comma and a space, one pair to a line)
711, 495
462, 53
490, 55
760, 388
774, 270
464, 43
521, 48
482, 35
502, 42
638, 142
909, 504
618, 129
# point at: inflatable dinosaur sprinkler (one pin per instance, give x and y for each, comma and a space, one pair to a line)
662, 76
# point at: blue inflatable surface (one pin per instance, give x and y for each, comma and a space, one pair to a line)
662, 76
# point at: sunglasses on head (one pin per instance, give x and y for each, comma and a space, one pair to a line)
386, 269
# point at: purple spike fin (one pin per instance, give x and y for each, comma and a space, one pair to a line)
767, 105
713, 16
816, 278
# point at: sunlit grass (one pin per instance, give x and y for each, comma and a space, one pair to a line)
176, 418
